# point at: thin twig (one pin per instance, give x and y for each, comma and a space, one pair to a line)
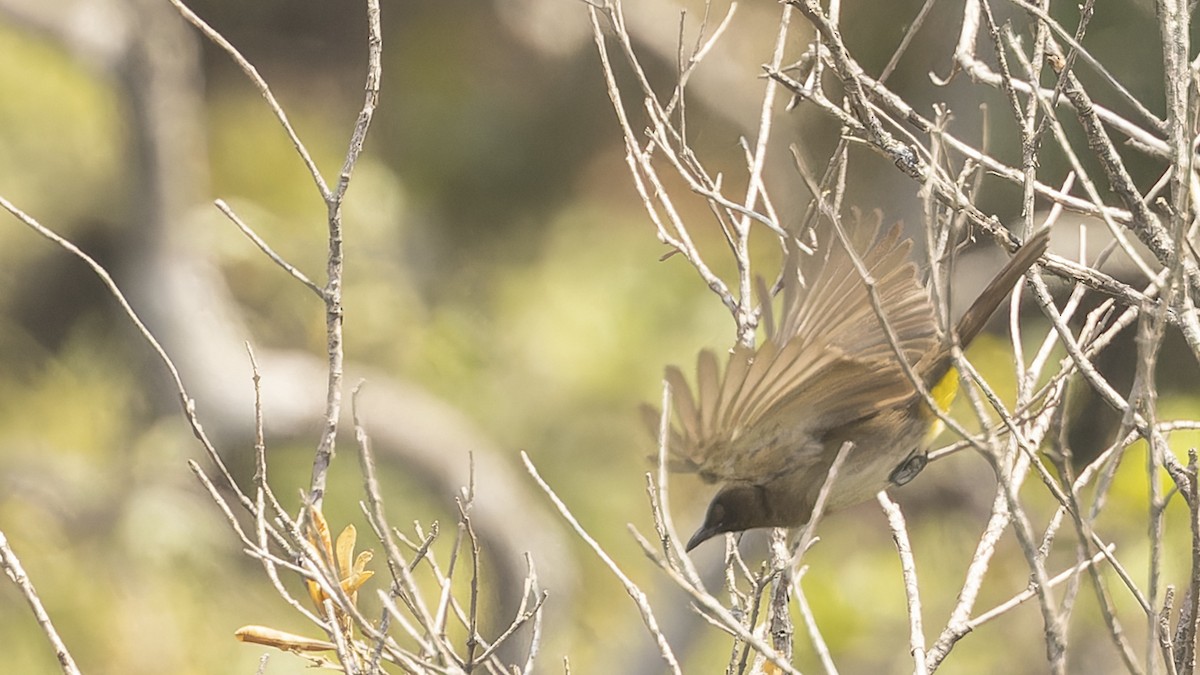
11, 565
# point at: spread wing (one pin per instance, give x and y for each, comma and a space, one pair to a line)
828, 362
836, 308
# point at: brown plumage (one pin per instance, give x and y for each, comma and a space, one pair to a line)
769, 427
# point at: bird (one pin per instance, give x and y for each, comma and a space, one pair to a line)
768, 427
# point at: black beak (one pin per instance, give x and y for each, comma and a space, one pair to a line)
702, 535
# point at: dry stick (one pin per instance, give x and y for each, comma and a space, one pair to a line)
1009, 482
1145, 223
260, 460
642, 171
332, 292
953, 196
685, 161
11, 565
663, 137
908, 569
186, 400
948, 194
261, 492
374, 495
780, 625
668, 136
252, 74
444, 580
422, 549
937, 235
189, 405
885, 98
441, 614
1055, 652
810, 623
958, 624
1054, 634
1145, 397
1082, 529
1045, 19
341, 644
710, 609
473, 639
1026, 122
661, 504
1072, 506
1096, 381
333, 284
1162, 632
263, 246
535, 640
702, 48
1060, 455
388, 601
904, 157
1189, 616
1029, 593
1052, 263
1079, 170
402, 574
752, 600
979, 71
253, 550
397, 590
523, 616
745, 605
745, 317
639, 598
779, 571
1173, 18
910, 32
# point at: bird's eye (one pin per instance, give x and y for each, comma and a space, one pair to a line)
908, 469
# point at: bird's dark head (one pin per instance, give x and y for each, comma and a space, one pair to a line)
733, 509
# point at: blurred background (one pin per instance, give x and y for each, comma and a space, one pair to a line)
503, 293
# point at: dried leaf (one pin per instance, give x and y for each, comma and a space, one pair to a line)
355, 582
360, 563
280, 640
320, 535
345, 551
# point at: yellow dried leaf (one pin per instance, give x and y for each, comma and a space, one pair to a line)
315, 593
320, 535
281, 640
345, 551
360, 563
355, 582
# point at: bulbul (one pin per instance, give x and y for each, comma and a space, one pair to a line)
768, 427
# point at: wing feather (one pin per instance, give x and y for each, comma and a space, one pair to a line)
827, 361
